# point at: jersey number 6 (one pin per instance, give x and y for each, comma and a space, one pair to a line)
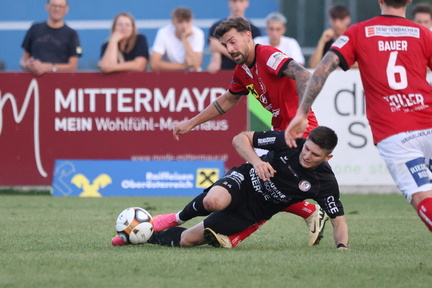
396, 83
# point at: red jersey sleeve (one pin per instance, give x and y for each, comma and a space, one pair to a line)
345, 47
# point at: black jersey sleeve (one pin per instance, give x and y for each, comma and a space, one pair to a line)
329, 197
272, 140
269, 140
343, 64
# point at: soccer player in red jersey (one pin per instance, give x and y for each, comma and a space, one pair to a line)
275, 80
393, 54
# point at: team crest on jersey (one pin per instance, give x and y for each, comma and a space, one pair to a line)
275, 59
304, 185
341, 41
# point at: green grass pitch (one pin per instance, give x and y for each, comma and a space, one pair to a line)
65, 242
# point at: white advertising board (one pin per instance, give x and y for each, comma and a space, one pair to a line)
341, 106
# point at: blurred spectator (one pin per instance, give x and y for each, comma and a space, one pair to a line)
51, 46
2, 65
422, 14
339, 21
178, 46
276, 28
126, 50
220, 59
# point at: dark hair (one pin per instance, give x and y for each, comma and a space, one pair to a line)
182, 14
324, 137
396, 3
422, 8
339, 11
238, 23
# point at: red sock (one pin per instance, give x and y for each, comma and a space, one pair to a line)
237, 238
424, 210
303, 209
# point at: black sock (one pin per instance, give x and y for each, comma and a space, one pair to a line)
169, 237
194, 208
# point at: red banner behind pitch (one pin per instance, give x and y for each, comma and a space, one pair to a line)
119, 116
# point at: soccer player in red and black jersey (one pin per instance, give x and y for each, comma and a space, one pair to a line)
275, 80
393, 54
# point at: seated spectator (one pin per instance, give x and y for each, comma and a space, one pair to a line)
220, 59
422, 14
275, 28
339, 20
126, 50
178, 46
51, 46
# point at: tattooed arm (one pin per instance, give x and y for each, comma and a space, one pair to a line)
298, 125
297, 72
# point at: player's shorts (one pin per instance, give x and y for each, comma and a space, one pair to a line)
408, 157
246, 208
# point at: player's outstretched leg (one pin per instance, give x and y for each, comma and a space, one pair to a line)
169, 237
424, 210
315, 219
165, 221
191, 210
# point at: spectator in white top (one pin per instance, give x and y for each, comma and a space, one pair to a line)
276, 28
178, 46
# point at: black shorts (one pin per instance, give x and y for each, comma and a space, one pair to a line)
247, 206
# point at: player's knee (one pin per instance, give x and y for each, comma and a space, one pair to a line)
213, 204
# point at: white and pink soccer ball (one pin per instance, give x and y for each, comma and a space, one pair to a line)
134, 225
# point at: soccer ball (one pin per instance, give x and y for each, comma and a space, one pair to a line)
134, 225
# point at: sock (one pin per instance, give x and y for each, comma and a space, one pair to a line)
424, 210
239, 237
303, 209
169, 237
194, 208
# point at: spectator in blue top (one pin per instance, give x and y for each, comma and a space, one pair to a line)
51, 46
126, 50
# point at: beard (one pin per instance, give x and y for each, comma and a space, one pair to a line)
239, 58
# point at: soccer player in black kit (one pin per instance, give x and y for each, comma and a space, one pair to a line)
261, 188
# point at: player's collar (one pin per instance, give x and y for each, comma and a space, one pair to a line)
254, 60
392, 16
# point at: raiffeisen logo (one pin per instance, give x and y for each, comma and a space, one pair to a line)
91, 189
